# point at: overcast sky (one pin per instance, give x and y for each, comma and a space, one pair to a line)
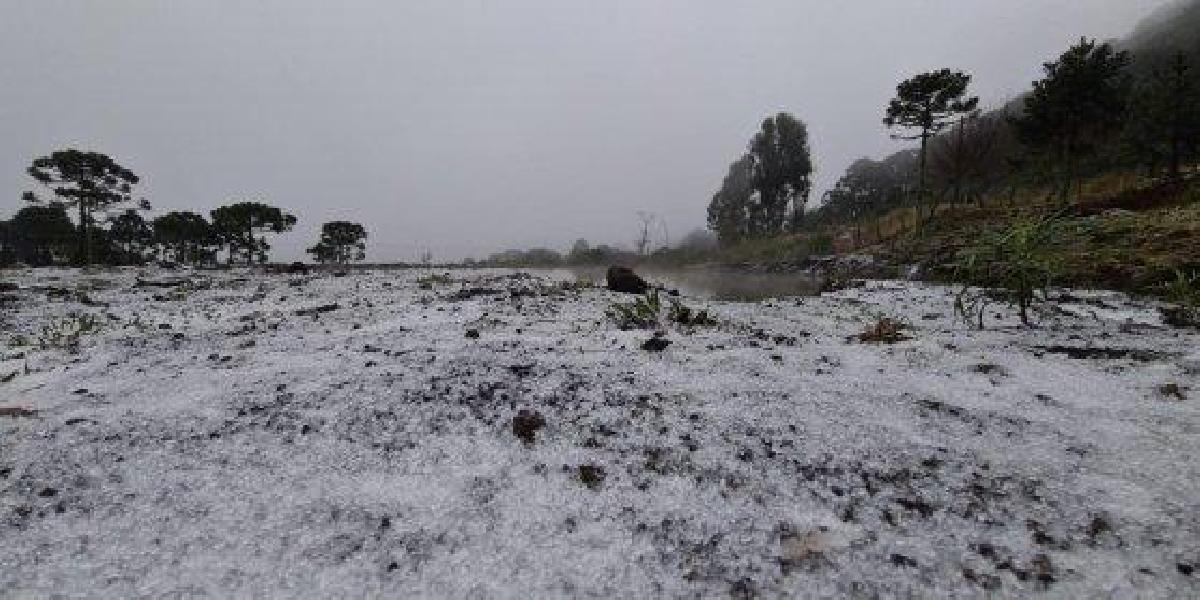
467, 127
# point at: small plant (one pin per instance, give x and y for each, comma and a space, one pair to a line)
427, 282
65, 333
642, 313
1013, 266
885, 331
1184, 293
683, 315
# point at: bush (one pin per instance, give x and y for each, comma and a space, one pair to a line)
1013, 266
1184, 293
642, 313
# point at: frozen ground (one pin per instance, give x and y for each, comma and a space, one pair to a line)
206, 440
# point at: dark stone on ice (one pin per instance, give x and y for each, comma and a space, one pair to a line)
526, 425
623, 279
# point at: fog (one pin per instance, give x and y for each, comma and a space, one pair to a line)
466, 127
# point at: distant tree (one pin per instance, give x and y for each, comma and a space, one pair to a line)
646, 222
868, 189
241, 227
729, 213
1166, 115
579, 252
783, 171
1079, 104
131, 234
87, 181
185, 236
340, 242
39, 235
925, 105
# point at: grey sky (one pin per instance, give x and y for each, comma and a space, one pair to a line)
471, 126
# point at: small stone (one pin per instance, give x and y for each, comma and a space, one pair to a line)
592, 476
526, 425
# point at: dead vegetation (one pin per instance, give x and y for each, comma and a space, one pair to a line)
885, 330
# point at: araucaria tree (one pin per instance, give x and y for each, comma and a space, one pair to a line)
766, 190
1079, 104
925, 105
86, 181
340, 243
241, 227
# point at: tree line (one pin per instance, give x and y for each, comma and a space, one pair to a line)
110, 229
1097, 108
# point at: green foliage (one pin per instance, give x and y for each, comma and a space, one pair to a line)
1184, 292
1015, 266
642, 313
240, 227
684, 315
65, 334
340, 243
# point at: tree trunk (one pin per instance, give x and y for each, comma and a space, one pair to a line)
921, 176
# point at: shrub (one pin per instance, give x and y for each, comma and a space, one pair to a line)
683, 315
65, 333
1013, 266
1184, 293
642, 313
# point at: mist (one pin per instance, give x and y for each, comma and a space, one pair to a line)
467, 127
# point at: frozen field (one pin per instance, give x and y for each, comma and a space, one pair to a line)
318, 436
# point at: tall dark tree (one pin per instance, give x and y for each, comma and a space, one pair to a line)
340, 243
242, 227
925, 105
1166, 115
1079, 104
131, 234
783, 171
87, 181
185, 237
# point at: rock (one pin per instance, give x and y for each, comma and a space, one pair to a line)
1172, 390
797, 549
16, 411
473, 334
316, 310
656, 344
592, 476
623, 279
526, 425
